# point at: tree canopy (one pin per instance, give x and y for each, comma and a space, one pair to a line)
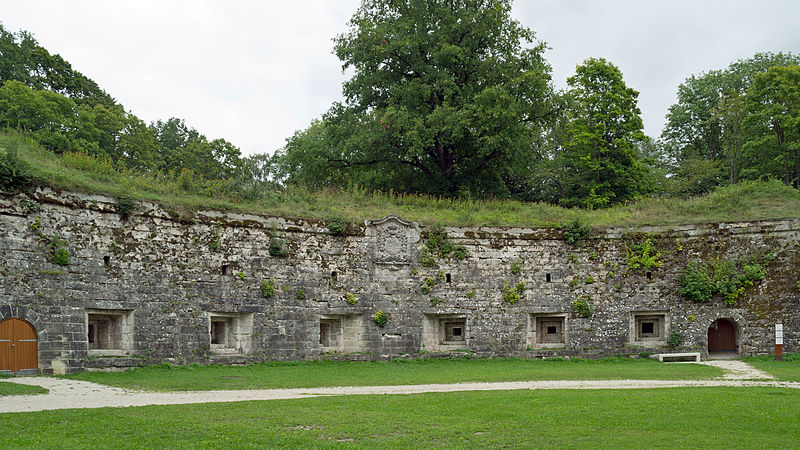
446, 97
704, 131
603, 132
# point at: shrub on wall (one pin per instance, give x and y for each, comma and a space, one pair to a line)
512, 294
380, 319
675, 340
437, 243
729, 279
582, 307
576, 231
337, 227
642, 255
277, 247
268, 287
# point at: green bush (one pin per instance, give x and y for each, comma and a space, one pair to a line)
337, 227
700, 281
60, 256
350, 298
437, 243
696, 283
380, 319
268, 287
426, 259
15, 174
582, 307
124, 206
301, 294
675, 340
576, 231
642, 255
277, 247
513, 294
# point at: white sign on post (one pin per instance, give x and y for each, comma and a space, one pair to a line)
778, 334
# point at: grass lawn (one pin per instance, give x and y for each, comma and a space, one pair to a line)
416, 371
786, 370
682, 417
20, 389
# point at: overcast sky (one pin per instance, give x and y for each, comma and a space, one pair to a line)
254, 72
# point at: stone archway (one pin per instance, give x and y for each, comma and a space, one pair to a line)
18, 347
722, 337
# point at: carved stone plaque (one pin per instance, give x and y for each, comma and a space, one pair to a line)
394, 240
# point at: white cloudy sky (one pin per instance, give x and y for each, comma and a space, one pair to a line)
253, 72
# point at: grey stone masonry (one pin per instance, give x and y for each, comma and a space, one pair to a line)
156, 285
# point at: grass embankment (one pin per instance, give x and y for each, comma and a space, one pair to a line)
7, 388
641, 418
786, 370
397, 372
744, 201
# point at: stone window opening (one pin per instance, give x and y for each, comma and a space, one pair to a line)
547, 330
443, 332
220, 327
230, 333
548, 278
649, 328
333, 275
106, 260
649, 275
454, 331
109, 332
340, 333
447, 277
224, 269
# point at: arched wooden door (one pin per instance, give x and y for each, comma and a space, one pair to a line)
18, 347
722, 336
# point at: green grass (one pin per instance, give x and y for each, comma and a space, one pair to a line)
744, 201
397, 372
786, 370
640, 418
7, 388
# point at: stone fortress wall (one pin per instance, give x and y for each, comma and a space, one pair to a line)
157, 286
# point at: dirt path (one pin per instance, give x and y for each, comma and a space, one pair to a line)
65, 394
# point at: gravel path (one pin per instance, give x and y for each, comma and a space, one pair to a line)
66, 394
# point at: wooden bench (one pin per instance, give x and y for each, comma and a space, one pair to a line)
680, 356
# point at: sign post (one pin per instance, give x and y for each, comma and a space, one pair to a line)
778, 342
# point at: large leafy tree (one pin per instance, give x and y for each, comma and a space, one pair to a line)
446, 97
773, 124
24, 60
603, 135
704, 128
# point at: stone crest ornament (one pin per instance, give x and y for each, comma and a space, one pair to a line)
393, 240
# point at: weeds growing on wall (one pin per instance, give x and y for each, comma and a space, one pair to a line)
582, 307
350, 298
576, 231
277, 247
380, 318
675, 340
337, 226
642, 255
512, 294
437, 244
268, 288
125, 207
729, 279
